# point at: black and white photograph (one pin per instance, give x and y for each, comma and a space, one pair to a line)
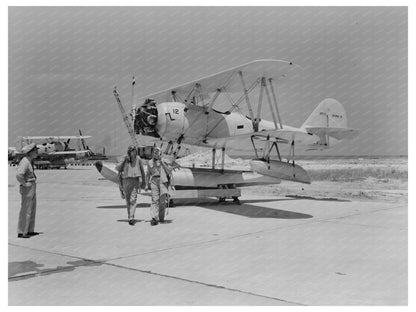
207, 155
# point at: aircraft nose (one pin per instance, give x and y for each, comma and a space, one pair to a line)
146, 121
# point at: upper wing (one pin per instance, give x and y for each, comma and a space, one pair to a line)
227, 80
57, 138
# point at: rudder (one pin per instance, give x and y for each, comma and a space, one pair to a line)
328, 114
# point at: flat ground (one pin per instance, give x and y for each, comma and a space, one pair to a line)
319, 248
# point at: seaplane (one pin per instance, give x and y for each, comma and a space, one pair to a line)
52, 150
189, 114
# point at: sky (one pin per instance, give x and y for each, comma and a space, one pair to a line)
65, 61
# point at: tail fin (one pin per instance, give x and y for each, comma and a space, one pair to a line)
328, 114
329, 119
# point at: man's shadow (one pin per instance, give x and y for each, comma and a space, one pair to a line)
144, 221
138, 206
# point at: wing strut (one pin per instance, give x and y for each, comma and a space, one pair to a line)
277, 150
292, 152
263, 81
257, 120
233, 106
222, 159
268, 147
217, 93
275, 102
246, 95
254, 146
214, 150
178, 147
191, 94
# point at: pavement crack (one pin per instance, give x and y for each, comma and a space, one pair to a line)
221, 240
89, 262
366, 225
204, 284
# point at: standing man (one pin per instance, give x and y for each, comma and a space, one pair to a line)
158, 179
27, 179
131, 171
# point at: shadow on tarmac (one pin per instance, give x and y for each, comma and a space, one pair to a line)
123, 206
145, 221
20, 267
252, 211
127, 220
245, 209
318, 198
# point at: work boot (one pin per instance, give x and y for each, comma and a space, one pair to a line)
154, 222
23, 235
131, 221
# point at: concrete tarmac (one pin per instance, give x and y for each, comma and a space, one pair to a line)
267, 251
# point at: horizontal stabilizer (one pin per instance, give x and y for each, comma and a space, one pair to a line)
337, 133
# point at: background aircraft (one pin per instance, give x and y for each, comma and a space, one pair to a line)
53, 151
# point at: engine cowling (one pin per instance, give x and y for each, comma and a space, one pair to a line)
46, 148
172, 122
166, 120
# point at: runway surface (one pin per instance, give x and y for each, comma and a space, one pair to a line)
267, 251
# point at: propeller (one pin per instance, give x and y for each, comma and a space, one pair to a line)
84, 145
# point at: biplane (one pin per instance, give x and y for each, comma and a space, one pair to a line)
189, 114
53, 150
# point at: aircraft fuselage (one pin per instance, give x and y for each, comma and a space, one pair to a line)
194, 126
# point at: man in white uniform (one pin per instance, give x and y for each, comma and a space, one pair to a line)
27, 179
